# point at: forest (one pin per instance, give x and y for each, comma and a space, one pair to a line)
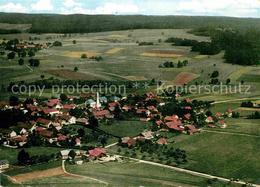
78, 23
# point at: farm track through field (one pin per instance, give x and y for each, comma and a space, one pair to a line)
195, 173
231, 133
81, 176
232, 100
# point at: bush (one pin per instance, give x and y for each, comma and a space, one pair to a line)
34, 62
83, 56
76, 69
11, 55
20, 61
57, 44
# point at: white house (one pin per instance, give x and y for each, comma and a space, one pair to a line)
65, 154
23, 131
13, 134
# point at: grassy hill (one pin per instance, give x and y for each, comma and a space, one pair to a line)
96, 23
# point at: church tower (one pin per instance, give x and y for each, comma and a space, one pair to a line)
98, 104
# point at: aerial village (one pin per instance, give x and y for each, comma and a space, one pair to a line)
47, 123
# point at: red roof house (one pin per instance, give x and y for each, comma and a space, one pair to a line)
162, 141
97, 152
171, 118
191, 129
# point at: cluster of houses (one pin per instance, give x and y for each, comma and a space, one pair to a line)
50, 117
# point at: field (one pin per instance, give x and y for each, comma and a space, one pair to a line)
135, 174
184, 78
11, 154
125, 128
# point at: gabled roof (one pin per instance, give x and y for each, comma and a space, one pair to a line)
192, 129
68, 106
187, 116
50, 110
162, 141
43, 121
171, 118
175, 125
97, 152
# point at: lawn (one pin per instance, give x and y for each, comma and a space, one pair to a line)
229, 156
125, 128
244, 126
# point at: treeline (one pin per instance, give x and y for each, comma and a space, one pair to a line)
181, 41
9, 31
51, 23
241, 47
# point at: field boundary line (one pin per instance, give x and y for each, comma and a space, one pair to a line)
231, 133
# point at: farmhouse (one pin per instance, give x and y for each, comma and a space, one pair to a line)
191, 129
65, 154
101, 114
97, 152
129, 142
44, 122
162, 141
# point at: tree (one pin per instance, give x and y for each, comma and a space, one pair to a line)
83, 56
20, 61
81, 132
74, 41
42, 76
13, 100
103, 140
31, 53
228, 81
57, 44
23, 157
93, 122
22, 54
11, 55
72, 154
76, 69
34, 62
215, 74
63, 97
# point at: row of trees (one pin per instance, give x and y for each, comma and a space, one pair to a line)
24, 158
32, 62
168, 64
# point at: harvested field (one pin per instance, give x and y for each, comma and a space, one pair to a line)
184, 78
163, 53
248, 109
238, 73
68, 74
201, 56
114, 50
38, 175
135, 78
117, 36
77, 54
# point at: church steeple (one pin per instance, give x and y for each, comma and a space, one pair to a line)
98, 104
